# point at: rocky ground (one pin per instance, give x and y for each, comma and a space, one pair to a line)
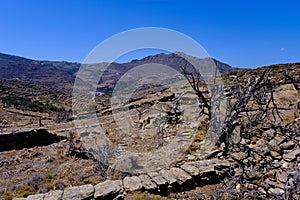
262, 164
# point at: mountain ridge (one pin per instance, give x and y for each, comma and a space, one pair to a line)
61, 74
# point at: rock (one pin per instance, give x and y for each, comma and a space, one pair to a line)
276, 191
53, 195
108, 188
168, 176
275, 155
271, 174
269, 133
287, 145
251, 186
239, 155
238, 171
275, 142
285, 165
36, 197
238, 187
222, 165
133, 183
78, 192
207, 172
270, 183
277, 164
281, 176
291, 155
191, 157
192, 170
243, 141
19, 198
147, 183
260, 149
257, 157
180, 174
260, 143
157, 178
255, 174
213, 153
280, 185
175, 175
261, 190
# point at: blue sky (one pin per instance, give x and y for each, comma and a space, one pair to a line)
240, 33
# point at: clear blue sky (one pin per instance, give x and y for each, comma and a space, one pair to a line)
240, 33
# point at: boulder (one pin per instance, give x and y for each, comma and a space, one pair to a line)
276, 191
147, 183
275, 142
168, 176
180, 174
192, 170
239, 155
287, 145
36, 197
108, 188
275, 155
291, 156
133, 183
157, 178
53, 195
78, 192
281, 176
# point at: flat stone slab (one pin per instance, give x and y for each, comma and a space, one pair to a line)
169, 176
78, 192
180, 174
192, 170
157, 178
54, 195
108, 188
147, 183
36, 197
291, 155
133, 183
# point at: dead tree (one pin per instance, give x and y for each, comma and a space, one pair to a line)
100, 155
197, 83
251, 102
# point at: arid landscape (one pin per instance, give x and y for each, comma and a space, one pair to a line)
253, 154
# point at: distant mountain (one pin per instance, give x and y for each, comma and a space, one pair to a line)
54, 74
61, 75
176, 60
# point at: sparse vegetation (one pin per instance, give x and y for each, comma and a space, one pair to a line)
7, 196
253, 111
25, 191
25, 103
49, 177
146, 196
199, 137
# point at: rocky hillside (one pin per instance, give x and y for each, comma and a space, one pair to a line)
261, 162
54, 74
61, 75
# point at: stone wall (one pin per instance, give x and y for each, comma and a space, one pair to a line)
27, 139
180, 177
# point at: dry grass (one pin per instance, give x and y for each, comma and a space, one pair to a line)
199, 137
145, 196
